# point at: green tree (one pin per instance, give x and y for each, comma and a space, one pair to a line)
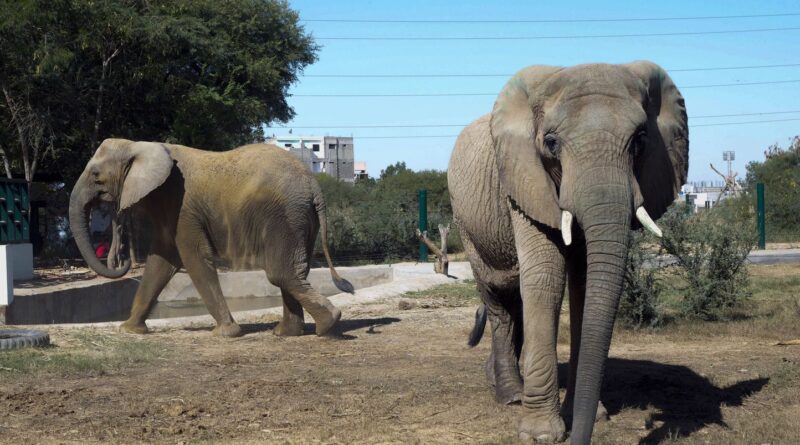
711, 251
780, 173
204, 73
375, 220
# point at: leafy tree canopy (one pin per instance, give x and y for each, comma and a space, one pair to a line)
204, 73
780, 173
376, 219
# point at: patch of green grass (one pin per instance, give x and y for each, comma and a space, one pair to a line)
80, 352
457, 294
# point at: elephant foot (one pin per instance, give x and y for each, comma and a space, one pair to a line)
327, 321
231, 329
508, 396
542, 429
509, 391
130, 327
287, 328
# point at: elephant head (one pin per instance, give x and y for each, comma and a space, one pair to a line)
605, 146
121, 172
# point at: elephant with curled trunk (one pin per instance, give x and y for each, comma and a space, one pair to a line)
545, 190
257, 207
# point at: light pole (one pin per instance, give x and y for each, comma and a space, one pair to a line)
729, 156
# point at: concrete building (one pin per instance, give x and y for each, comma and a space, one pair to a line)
360, 170
702, 194
332, 155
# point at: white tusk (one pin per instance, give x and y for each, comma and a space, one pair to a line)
647, 222
566, 227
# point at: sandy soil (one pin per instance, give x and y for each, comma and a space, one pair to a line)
394, 376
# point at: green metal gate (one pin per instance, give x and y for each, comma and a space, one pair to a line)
15, 224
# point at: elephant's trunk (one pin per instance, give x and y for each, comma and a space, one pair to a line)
79, 208
605, 215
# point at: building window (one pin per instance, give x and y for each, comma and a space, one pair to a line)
332, 146
315, 147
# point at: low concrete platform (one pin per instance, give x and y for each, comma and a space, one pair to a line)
102, 300
407, 277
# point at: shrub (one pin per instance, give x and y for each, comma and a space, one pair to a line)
640, 304
710, 249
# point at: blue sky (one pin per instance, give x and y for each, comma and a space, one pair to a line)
508, 56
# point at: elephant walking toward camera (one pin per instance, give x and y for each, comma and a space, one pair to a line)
257, 207
545, 190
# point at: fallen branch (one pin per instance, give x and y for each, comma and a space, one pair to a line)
788, 342
442, 263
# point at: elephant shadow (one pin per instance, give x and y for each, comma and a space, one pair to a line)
684, 401
340, 331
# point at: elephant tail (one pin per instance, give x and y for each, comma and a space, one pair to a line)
480, 324
319, 203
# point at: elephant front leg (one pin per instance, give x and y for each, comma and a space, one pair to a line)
158, 270
199, 263
542, 287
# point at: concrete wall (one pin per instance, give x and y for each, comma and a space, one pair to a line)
21, 257
104, 301
111, 300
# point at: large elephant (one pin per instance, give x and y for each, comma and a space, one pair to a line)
591, 151
257, 207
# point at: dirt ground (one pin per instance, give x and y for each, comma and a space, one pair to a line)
392, 376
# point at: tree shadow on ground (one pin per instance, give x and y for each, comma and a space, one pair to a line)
683, 400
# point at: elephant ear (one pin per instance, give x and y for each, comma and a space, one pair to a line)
663, 163
513, 126
149, 166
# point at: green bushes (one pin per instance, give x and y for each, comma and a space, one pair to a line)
639, 305
375, 220
700, 260
710, 251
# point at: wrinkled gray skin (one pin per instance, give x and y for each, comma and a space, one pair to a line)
256, 206
599, 141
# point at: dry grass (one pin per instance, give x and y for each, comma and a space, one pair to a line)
400, 376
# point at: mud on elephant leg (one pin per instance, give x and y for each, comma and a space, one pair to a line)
292, 323
158, 270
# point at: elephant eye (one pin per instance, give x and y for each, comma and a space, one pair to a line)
551, 144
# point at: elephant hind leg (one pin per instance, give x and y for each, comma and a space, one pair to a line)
325, 314
502, 366
292, 323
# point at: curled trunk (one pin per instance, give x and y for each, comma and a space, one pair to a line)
606, 225
78, 223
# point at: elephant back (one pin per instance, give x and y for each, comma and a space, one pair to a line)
479, 206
